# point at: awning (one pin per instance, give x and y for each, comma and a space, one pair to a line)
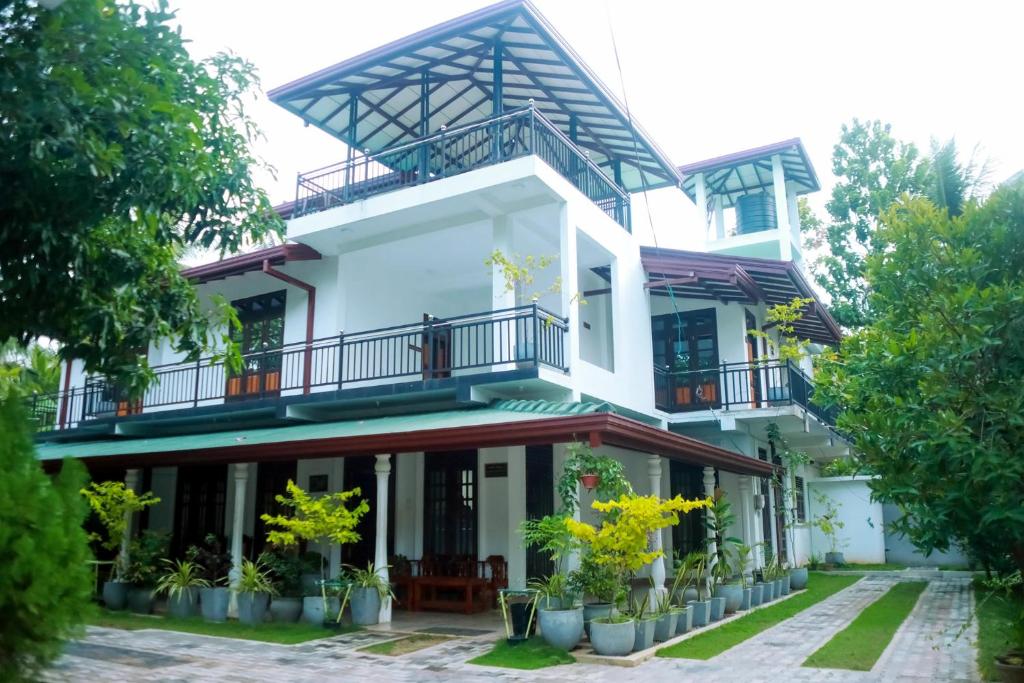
251, 262
504, 423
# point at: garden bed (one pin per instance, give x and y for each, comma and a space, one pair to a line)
405, 644
529, 655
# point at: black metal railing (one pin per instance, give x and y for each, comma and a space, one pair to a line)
527, 336
737, 385
454, 151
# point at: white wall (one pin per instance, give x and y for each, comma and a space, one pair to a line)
862, 538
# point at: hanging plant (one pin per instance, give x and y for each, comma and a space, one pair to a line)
599, 473
590, 481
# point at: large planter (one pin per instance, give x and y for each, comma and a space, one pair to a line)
733, 594
785, 584
684, 621
717, 608
612, 640
745, 602
777, 592
756, 594
183, 605
701, 612
767, 591
115, 594
643, 637
285, 610
561, 628
549, 602
665, 627
140, 600
313, 609
252, 607
835, 558
1011, 667
594, 610
213, 603
690, 595
798, 579
365, 606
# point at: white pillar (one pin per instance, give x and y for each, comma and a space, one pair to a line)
658, 565
380, 556
336, 479
131, 481
241, 477
709, 491
700, 190
787, 517
747, 523
516, 514
781, 208
758, 525
719, 217
570, 286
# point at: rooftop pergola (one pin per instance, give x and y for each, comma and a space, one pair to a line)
471, 69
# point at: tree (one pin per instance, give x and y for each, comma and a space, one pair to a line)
113, 503
118, 152
34, 370
930, 390
45, 582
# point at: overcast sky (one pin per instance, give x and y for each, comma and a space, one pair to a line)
703, 79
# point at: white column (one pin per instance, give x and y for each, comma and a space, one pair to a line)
748, 524
516, 515
758, 526
131, 481
658, 565
570, 286
241, 477
787, 516
336, 477
781, 208
700, 189
719, 217
380, 556
709, 491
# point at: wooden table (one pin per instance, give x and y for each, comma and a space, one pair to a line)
424, 590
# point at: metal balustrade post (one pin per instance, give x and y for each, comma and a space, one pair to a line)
195, 393
341, 358
444, 154
536, 336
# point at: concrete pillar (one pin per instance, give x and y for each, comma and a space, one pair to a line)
719, 217
572, 562
570, 286
700, 190
781, 208
709, 491
658, 565
516, 515
131, 481
241, 479
759, 503
380, 557
508, 338
747, 522
336, 477
787, 517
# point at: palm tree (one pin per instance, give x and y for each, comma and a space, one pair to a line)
950, 184
30, 370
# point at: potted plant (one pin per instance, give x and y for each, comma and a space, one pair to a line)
742, 555
701, 605
254, 590
286, 569
216, 563
145, 555
784, 579
113, 503
559, 616
728, 592
829, 524
368, 590
646, 622
798, 578
181, 583
597, 582
681, 587
666, 617
518, 609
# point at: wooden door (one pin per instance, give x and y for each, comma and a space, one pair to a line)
360, 472
199, 505
450, 504
271, 481
540, 501
687, 481
755, 375
436, 349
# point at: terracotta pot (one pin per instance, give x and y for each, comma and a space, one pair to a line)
590, 481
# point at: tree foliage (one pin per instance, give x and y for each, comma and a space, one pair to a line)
118, 152
930, 391
45, 581
112, 502
28, 371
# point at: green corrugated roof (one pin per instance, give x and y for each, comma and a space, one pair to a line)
497, 413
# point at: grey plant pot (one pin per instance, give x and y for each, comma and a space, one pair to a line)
613, 640
140, 600
733, 594
745, 602
785, 584
643, 637
756, 594
549, 602
665, 627
684, 622
252, 607
690, 595
213, 603
285, 610
561, 628
313, 609
835, 558
798, 579
767, 591
115, 594
594, 610
183, 605
365, 606
717, 608
701, 612
777, 592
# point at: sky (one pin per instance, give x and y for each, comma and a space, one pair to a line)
703, 79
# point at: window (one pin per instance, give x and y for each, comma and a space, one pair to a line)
260, 339
801, 504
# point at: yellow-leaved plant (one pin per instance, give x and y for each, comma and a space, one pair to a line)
114, 503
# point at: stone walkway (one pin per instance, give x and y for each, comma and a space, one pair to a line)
923, 650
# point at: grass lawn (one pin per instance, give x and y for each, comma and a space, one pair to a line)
284, 634
995, 626
868, 567
404, 646
858, 646
533, 654
716, 641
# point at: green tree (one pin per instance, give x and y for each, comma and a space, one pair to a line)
930, 390
34, 370
118, 152
45, 581
112, 502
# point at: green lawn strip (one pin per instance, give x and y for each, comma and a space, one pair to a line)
867, 567
284, 634
404, 646
716, 641
532, 654
995, 626
858, 646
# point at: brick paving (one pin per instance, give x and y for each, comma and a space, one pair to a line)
924, 649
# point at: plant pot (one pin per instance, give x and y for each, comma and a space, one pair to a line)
717, 608
561, 628
590, 481
767, 592
313, 609
785, 584
756, 594
285, 610
684, 622
665, 627
183, 605
140, 600
745, 602
594, 610
1011, 667
213, 603
643, 636
798, 579
733, 594
690, 595
777, 592
252, 607
551, 603
115, 594
701, 612
365, 606
835, 558
613, 640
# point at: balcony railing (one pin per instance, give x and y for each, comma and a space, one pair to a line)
527, 336
459, 150
737, 386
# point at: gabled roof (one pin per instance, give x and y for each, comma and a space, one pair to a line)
698, 275
740, 173
457, 58
251, 262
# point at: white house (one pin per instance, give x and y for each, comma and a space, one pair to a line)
381, 351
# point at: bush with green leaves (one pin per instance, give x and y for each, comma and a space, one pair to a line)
45, 583
113, 503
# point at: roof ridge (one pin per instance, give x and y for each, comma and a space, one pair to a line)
542, 406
